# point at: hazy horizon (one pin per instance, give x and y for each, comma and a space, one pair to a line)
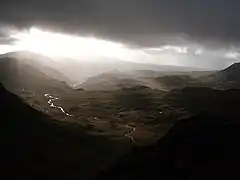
203, 34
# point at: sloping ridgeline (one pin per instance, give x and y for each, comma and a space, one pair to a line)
35, 146
202, 147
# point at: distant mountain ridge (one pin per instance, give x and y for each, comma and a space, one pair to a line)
232, 73
78, 70
42, 63
224, 79
115, 74
18, 74
109, 81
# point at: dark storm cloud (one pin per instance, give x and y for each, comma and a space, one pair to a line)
142, 21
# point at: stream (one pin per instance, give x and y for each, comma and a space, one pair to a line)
52, 105
129, 133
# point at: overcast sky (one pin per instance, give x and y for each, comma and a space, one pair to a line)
143, 23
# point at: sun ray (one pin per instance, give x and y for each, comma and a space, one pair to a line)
62, 45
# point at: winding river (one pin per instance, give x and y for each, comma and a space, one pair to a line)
51, 100
52, 105
129, 133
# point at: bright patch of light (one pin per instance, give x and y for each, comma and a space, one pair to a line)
232, 55
91, 48
62, 45
7, 49
198, 52
177, 49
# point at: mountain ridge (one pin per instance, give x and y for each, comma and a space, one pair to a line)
200, 147
16, 75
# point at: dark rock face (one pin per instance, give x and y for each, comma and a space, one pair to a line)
201, 147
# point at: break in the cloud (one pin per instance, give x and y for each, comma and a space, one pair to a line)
202, 33
143, 22
91, 48
196, 56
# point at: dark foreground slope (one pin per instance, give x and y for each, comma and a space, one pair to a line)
33, 146
202, 147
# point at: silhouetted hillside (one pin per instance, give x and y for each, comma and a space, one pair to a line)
35, 146
202, 147
228, 78
232, 73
